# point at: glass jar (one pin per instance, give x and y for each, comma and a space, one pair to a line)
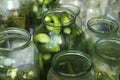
58, 32
71, 65
92, 9
18, 55
107, 59
13, 13
37, 7
98, 28
113, 10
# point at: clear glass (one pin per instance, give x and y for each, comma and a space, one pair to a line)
107, 59
18, 55
13, 13
113, 10
57, 32
71, 65
92, 9
98, 28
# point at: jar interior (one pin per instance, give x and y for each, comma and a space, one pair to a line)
72, 65
109, 49
102, 26
59, 17
11, 39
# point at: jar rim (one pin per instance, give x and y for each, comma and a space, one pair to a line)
59, 10
111, 53
103, 20
15, 33
59, 56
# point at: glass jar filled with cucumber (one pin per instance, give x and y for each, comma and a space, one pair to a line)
57, 32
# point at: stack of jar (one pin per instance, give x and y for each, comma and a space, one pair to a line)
66, 43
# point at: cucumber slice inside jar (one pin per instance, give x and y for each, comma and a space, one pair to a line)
67, 30
42, 37
45, 1
56, 24
51, 47
65, 17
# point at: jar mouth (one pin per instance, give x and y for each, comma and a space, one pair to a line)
13, 38
102, 25
56, 19
72, 63
108, 49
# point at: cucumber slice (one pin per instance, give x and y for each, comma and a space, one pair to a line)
67, 30
57, 30
48, 19
52, 47
35, 8
56, 20
42, 37
64, 17
41, 1
47, 57
47, 1
50, 28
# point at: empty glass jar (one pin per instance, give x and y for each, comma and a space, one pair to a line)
106, 59
71, 65
57, 32
98, 28
18, 55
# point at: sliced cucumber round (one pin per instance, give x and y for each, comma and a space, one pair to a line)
42, 37
67, 30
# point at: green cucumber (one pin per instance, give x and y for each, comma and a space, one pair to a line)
48, 19
52, 47
42, 37
47, 1
64, 17
35, 8
50, 28
67, 30
47, 56
56, 20
41, 1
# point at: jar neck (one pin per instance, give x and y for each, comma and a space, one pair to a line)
12, 39
92, 4
102, 25
108, 49
72, 64
71, 7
